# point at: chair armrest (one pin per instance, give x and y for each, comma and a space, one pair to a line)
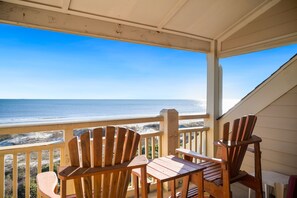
198, 156
72, 172
46, 184
230, 144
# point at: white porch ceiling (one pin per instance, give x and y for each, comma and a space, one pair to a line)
185, 24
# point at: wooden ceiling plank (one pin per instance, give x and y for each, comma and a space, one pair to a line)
66, 4
172, 13
266, 5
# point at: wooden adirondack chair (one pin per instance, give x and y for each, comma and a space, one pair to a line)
225, 169
101, 168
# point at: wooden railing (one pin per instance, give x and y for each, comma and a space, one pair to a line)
49, 155
194, 138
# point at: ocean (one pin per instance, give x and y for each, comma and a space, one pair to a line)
50, 110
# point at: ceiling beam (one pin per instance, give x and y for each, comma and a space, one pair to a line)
59, 8
262, 45
51, 20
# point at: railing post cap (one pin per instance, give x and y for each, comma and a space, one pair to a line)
163, 111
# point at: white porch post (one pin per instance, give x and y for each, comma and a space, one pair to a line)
214, 97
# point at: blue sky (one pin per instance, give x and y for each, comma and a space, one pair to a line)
45, 64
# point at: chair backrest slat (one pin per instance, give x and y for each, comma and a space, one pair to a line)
74, 161
233, 137
226, 131
242, 129
134, 145
128, 146
97, 152
119, 145
237, 132
132, 150
235, 129
86, 162
124, 175
109, 145
108, 156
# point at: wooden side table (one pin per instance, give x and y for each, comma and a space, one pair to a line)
168, 169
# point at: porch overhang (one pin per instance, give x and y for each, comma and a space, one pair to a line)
236, 26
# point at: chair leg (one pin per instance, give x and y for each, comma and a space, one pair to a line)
258, 170
136, 185
259, 193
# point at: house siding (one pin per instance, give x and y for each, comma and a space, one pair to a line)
277, 126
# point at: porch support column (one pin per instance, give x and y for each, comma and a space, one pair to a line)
214, 97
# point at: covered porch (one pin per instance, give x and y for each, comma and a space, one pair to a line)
217, 28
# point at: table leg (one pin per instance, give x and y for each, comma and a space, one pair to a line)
185, 187
197, 179
136, 185
172, 186
159, 189
200, 185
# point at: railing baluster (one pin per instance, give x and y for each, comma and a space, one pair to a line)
2, 169
190, 140
139, 148
204, 143
62, 155
195, 144
195, 141
146, 150
184, 140
160, 146
15, 174
27, 180
51, 159
153, 147
200, 142
39, 164
39, 159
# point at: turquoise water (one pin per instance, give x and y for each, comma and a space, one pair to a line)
37, 110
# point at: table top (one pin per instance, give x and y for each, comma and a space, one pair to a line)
171, 167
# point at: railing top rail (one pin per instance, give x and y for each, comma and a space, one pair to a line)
151, 134
193, 116
33, 127
63, 125
193, 129
31, 147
